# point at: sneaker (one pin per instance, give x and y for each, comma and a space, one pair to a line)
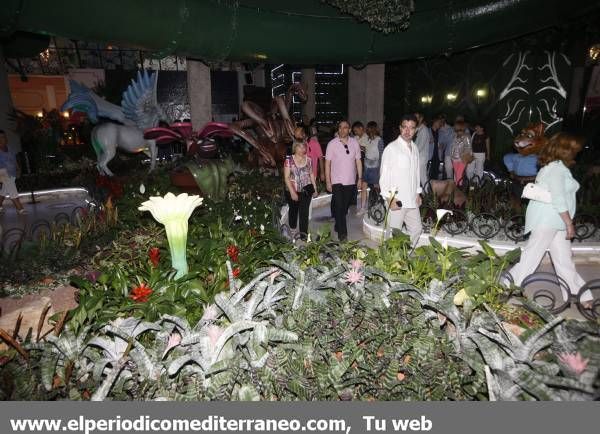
22, 211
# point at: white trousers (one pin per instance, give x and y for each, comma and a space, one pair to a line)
540, 240
476, 166
448, 167
411, 217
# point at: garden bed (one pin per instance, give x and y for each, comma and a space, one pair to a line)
256, 319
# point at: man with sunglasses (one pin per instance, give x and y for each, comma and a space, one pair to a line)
342, 169
399, 180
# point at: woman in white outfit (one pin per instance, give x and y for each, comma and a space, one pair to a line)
551, 224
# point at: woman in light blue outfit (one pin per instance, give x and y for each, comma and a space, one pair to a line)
551, 224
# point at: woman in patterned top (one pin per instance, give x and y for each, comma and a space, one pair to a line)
301, 186
461, 146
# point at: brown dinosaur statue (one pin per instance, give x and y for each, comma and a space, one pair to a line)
273, 130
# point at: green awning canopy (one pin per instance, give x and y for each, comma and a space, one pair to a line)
283, 31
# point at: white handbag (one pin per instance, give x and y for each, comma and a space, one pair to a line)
534, 192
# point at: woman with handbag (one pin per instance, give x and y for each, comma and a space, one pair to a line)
551, 222
301, 186
460, 152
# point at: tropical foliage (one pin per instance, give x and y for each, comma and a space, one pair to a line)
256, 318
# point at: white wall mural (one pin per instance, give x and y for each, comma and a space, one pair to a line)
535, 91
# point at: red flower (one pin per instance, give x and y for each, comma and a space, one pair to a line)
141, 293
233, 252
154, 255
236, 272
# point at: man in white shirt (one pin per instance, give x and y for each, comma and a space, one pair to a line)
400, 180
424, 142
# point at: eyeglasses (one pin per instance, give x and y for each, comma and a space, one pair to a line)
347, 150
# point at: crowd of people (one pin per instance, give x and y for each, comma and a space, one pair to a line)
355, 160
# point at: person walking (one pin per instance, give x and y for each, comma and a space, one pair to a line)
399, 181
424, 143
373, 151
460, 152
301, 186
480, 144
315, 152
551, 224
342, 169
436, 159
9, 171
445, 138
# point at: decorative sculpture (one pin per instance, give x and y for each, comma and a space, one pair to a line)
523, 164
203, 172
274, 129
139, 111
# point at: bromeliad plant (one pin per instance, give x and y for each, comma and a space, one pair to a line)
336, 330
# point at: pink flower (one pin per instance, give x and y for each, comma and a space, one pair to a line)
210, 313
214, 333
274, 275
574, 361
354, 276
356, 264
174, 340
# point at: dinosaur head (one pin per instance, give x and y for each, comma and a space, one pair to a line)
531, 139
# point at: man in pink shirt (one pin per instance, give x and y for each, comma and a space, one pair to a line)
342, 169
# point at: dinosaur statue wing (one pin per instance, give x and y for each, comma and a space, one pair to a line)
139, 101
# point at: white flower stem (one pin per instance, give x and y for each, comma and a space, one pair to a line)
177, 230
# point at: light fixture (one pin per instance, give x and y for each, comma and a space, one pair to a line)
451, 96
426, 99
480, 93
594, 52
66, 115
40, 114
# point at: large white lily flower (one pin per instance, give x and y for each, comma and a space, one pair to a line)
440, 213
173, 212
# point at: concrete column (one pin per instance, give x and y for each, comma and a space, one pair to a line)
308, 82
199, 93
365, 94
258, 76
6, 108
